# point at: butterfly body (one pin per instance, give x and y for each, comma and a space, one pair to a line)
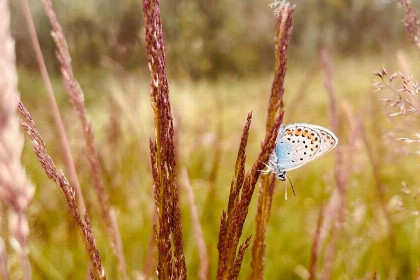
298, 144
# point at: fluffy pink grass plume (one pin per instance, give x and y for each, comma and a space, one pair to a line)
411, 22
15, 189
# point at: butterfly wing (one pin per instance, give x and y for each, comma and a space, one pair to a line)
328, 140
301, 143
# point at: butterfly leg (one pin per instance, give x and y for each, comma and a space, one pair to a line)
266, 171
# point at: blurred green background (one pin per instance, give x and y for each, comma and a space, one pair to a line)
220, 57
209, 39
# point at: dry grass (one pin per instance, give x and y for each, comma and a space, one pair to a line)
283, 33
342, 231
15, 189
404, 99
62, 135
401, 99
341, 173
168, 228
241, 191
150, 264
4, 273
203, 273
77, 98
315, 245
411, 22
225, 246
97, 272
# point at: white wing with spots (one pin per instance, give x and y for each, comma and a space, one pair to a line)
300, 143
328, 140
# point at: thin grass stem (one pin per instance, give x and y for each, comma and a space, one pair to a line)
284, 26
82, 222
65, 146
77, 98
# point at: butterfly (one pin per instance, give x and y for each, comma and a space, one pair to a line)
296, 145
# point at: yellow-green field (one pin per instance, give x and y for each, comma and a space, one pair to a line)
209, 118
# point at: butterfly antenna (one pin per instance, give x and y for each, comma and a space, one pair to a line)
293, 189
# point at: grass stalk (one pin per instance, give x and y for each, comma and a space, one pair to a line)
331, 214
43, 264
217, 154
411, 22
209, 216
303, 88
77, 98
65, 146
150, 262
197, 230
340, 173
276, 105
4, 273
16, 191
241, 191
315, 245
83, 223
168, 228
380, 190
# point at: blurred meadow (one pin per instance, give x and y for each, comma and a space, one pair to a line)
220, 59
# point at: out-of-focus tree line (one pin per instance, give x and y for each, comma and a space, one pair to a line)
210, 38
